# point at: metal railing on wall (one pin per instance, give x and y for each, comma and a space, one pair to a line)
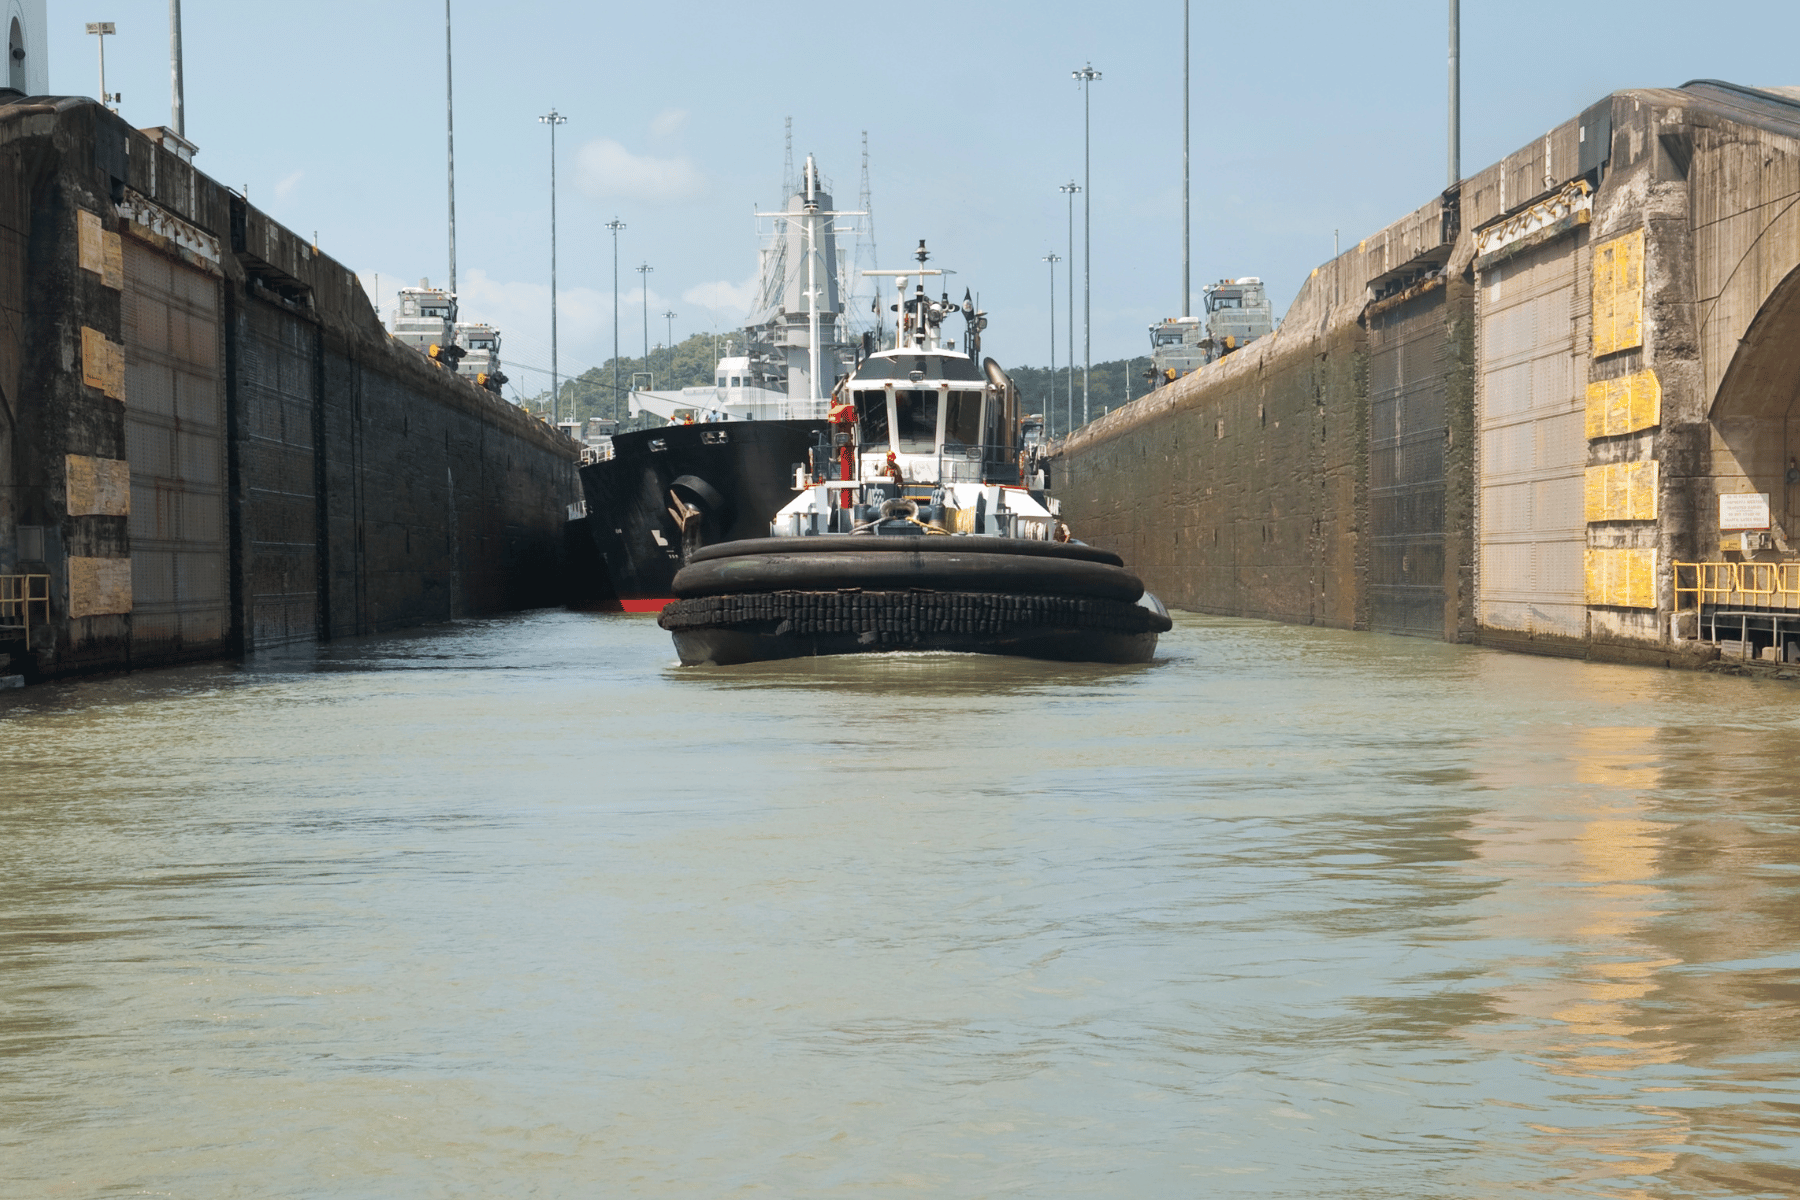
1739, 585
24, 599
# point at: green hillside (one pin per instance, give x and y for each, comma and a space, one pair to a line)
590, 393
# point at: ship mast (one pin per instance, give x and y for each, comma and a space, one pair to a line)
811, 216
812, 276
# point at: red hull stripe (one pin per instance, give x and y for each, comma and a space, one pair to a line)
645, 605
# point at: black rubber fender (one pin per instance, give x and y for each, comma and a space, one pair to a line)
953, 569
921, 543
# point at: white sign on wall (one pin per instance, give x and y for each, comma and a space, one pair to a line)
1744, 510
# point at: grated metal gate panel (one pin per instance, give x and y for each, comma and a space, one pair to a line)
1532, 315
276, 389
175, 446
1408, 356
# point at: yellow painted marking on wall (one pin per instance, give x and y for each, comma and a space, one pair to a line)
98, 586
97, 486
1621, 491
102, 363
1621, 577
87, 242
1624, 405
113, 248
99, 251
1619, 294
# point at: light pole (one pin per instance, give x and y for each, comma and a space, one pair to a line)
670, 318
1187, 290
644, 274
615, 225
1050, 416
101, 30
1069, 189
1455, 93
175, 105
450, 158
552, 119
1086, 78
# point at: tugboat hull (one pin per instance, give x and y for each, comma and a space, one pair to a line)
793, 598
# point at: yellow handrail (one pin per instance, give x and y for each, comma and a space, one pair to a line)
19, 596
1762, 585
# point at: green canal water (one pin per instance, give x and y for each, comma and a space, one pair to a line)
520, 908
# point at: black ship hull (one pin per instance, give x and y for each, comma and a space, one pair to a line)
737, 475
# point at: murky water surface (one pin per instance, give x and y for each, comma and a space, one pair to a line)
518, 908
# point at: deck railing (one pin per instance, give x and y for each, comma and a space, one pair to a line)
24, 601
1738, 585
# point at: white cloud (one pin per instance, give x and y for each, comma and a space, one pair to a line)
582, 313
604, 170
286, 187
724, 296
668, 122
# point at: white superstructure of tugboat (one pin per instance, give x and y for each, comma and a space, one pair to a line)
921, 523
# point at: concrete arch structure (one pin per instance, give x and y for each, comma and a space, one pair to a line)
1756, 411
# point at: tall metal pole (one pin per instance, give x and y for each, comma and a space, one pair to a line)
615, 225
101, 30
1086, 77
552, 119
644, 274
175, 106
1455, 93
1070, 188
670, 317
1050, 415
450, 151
1187, 287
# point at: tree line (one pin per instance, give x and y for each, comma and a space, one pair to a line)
692, 362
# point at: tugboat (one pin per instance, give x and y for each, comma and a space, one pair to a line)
921, 523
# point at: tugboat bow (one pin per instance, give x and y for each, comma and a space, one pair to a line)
921, 522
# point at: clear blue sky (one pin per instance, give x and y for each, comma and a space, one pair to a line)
1308, 115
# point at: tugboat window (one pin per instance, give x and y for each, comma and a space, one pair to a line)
915, 420
872, 416
962, 419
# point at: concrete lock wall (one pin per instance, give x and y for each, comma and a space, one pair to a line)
209, 445
1526, 399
